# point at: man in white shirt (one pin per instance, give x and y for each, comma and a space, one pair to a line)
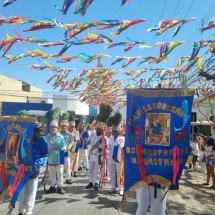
195, 151
95, 144
115, 161
74, 151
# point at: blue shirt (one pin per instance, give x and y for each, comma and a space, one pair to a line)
40, 153
84, 137
68, 140
56, 143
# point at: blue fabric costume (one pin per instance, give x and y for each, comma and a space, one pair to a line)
84, 137
55, 145
40, 153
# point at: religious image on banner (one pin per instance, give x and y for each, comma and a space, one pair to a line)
157, 129
157, 138
17, 163
12, 146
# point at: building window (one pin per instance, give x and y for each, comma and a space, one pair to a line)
193, 117
26, 87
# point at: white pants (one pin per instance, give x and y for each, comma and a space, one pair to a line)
68, 167
114, 171
203, 167
83, 157
108, 174
94, 169
52, 174
27, 197
145, 198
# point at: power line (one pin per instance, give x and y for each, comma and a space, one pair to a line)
172, 17
176, 9
195, 34
160, 19
189, 9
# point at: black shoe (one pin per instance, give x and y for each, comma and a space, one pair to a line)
60, 190
20, 214
69, 181
112, 191
96, 186
79, 168
89, 186
51, 190
75, 175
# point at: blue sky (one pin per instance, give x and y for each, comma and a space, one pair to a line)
152, 10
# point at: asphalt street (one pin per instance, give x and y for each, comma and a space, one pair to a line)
77, 200
193, 199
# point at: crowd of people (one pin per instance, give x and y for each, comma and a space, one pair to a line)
203, 151
70, 148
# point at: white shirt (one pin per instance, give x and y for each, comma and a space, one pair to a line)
208, 150
93, 140
195, 148
201, 156
120, 141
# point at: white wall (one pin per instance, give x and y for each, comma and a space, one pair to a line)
70, 103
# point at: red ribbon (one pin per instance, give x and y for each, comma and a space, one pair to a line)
104, 165
18, 178
175, 154
121, 176
3, 176
140, 162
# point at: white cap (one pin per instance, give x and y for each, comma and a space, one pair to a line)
72, 123
54, 123
64, 122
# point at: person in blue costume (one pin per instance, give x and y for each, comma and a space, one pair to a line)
28, 194
83, 151
56, 147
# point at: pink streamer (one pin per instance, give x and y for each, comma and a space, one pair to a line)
18, 178
104, 167
175, 154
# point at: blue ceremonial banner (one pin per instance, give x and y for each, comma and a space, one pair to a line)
157, 142
16, 160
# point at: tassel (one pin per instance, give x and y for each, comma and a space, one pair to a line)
22, 148
3, 175
18, 178
5, 193
104, 166
140, 162
10, 208
18, 189
121, 177
175, 154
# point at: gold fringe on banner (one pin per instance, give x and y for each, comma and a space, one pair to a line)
18, 119
129, 191
164, 183
5, 193
152, 93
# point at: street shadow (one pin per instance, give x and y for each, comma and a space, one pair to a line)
130, 208
105, 203
193, 191
79, 180
48, 200
91, 194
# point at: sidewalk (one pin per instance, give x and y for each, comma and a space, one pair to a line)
194, 198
